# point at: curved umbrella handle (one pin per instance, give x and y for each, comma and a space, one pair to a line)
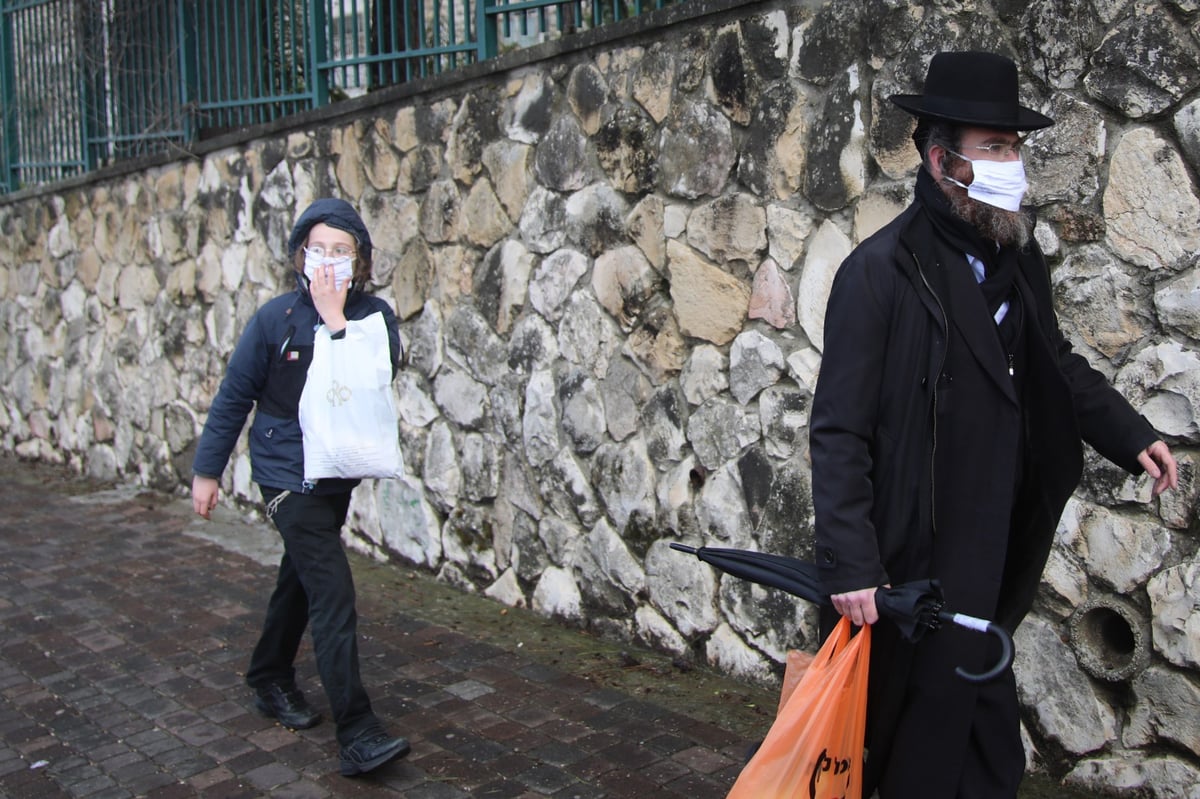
983, 626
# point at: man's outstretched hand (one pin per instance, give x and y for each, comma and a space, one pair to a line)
1160, 464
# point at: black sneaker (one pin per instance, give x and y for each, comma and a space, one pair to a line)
283, 701
370, 751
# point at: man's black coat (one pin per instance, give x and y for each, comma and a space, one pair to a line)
927, 462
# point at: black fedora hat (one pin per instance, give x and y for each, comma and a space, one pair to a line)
972, 88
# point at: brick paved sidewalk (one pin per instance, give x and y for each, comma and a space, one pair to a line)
123, 640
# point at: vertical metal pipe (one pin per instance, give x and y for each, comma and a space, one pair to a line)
30, 137
437, 35
276, 38
8, 106
356, 40
253, 63
297, 49
242, 59
228, 41
318, 84
485, 34
140, 110
204, 63
409, 44
39, 130
422, 63
185, 54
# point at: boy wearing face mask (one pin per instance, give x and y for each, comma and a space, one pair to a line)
946, 434
329, 252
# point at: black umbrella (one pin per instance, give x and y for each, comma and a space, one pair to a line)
916, 607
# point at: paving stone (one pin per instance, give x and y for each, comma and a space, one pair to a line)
665, 771
36, 747
249, 761
115, 792
591, 767
528, 741
222, 711
437, 790
113, 762
628, 783
272, 739
301, 789
132, 771
271, 775
232, 789
692, 784
301, 753
172, 791
159, 746
701, 759
96, 784
32, 783
670, 743
630, 755
209, 778
469, 689
546, 779
532, 715
500, 789
577, 791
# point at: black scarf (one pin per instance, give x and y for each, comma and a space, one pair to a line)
959, 236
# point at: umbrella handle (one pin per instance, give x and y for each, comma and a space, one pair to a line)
683, 548
982, 626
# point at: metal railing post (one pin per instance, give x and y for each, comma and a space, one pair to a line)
485, 32
189, 95
314, 58
90, 65
10, 154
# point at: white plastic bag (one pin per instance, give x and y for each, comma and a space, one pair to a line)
347, 412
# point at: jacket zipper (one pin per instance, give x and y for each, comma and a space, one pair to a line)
937, 374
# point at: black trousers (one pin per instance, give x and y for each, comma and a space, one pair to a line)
935, 761
315, 585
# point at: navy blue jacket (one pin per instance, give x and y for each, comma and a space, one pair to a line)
268, 370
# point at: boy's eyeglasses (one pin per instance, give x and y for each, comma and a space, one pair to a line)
340, 251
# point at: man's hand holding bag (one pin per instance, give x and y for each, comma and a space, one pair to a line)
347, 411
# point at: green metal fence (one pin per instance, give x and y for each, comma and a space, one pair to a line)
86, 83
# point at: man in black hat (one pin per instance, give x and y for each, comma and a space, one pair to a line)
329, 256
947, 432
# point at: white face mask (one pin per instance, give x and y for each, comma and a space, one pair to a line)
998, 183
343, 268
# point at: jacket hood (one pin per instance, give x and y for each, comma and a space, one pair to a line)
336, 213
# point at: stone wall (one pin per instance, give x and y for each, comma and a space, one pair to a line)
611, 264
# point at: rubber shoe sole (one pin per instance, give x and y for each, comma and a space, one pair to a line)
396, 749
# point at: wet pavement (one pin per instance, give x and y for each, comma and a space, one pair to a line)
126, 622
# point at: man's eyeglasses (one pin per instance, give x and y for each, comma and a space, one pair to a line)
340, 251
1000, 149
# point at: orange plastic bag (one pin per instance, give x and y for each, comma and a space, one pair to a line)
797, 666
814, 749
